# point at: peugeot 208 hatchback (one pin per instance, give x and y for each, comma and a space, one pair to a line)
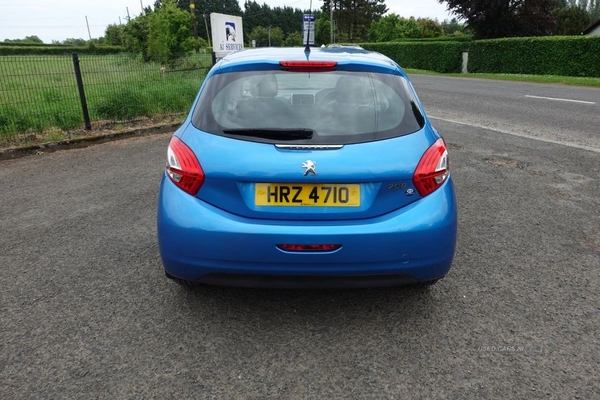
299, 168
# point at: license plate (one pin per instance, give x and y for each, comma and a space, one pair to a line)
302, 194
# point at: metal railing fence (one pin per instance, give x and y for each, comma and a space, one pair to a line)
40, 93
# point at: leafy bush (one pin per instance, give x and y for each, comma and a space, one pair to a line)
170, 35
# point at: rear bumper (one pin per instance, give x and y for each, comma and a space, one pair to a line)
199, 242
306, 281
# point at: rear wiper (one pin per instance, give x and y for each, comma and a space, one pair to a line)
275, 134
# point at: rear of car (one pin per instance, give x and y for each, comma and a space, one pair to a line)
299, 169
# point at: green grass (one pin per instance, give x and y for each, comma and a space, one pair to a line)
565, 80
39, 93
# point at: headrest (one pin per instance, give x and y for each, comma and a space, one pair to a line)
265, 86
349, 89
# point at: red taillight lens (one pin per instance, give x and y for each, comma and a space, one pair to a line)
183, 167
308, 66
433, 169
309, 247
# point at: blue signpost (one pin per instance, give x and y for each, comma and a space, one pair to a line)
309, 29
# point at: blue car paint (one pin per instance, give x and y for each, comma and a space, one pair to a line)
232, 166
201, 234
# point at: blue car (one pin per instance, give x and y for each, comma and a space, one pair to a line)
299, 168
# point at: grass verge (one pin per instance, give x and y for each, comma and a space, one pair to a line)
564, 80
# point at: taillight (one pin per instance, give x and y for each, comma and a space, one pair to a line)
433, 169
183, 167
308, 66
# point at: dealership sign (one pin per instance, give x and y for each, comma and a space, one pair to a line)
227, 34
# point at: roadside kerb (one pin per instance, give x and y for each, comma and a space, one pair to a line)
16, 152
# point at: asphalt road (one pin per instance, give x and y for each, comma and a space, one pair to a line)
552, 113
86, 312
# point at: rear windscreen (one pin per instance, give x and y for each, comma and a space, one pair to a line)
338, 107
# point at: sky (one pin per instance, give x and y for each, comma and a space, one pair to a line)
61, 19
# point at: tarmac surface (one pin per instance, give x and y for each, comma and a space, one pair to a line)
86, 311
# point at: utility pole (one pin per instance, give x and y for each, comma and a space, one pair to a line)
128, 17
331, 21
88, 26
207, 34
193, 11
331, 4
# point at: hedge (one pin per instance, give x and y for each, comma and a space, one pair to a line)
33, 44
430, 56
555, 55
47, 50
446, 38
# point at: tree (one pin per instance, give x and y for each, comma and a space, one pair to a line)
256, 15
33, 39
264, 37
74, 42
571, 20
452, 26
574, 16
114, 35
393, 27
170, 33
260, 36
27, 39
293, 39
594, 10
202, 10
353, 18
505, 18
287, 18
430, 28
276, 36
322, 30
386, 29
135, 35
409, 28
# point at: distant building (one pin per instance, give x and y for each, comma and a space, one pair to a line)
593, 29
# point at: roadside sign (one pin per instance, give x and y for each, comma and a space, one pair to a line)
309, 29
227, 34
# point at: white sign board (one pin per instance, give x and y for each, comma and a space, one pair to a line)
309, 28
227, 34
